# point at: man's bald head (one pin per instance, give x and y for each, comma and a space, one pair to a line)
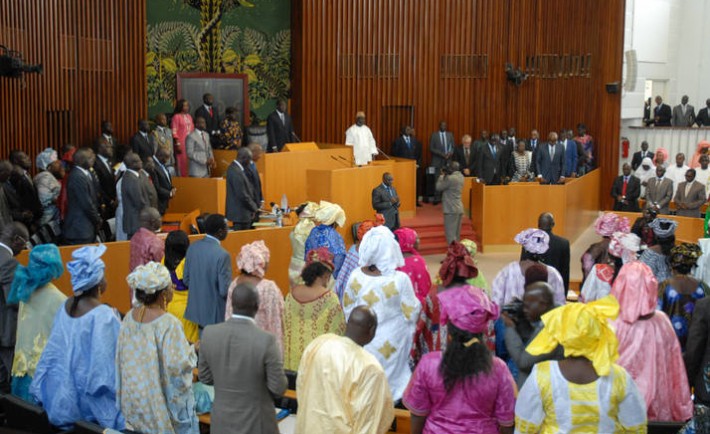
15, 236
362, 325
546, 221
543, 289
245, 300
150, 219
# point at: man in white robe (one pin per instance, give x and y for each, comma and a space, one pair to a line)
360, 137
676, 172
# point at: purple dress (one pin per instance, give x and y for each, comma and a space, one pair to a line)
480, 404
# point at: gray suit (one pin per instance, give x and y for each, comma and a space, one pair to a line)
134, 198
244, 364
438, 148
659, 193
694, 200
199, 150
683, 121
450, 188
163, 138
8, 318
382, 204
208, 273
240, 206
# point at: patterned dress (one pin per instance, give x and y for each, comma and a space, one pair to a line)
679, 307
548, 403
349, 264
34, 323
392, 298
327, 236
304, 322
478, 404
271, 308
231, 137
658, 263
179, 303
154, 366
415, 268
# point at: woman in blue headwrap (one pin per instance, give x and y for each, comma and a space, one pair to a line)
76, 376
39, 302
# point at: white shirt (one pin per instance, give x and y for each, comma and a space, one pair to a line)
363, 143
677, 175
235, 316
4, 246
84, 171
703, 176
105, 161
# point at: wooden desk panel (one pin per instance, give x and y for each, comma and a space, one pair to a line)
582, 205
118, 253
207, 194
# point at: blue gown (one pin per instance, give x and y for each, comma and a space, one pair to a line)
75, 378
327, 236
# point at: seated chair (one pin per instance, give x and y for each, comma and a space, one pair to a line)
22, 415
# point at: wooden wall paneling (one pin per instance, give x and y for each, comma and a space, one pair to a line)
93, 55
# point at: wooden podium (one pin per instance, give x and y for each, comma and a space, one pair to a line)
499, 212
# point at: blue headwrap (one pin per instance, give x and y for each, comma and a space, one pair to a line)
45, 265
87, 268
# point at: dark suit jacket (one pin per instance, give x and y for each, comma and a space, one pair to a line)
557, 257
82, 215
638, 158
703, 119
212, 121
491, 168
550, 169
134, 199
400, 149
664, 115
437, 148
245, 365
633, 191
460, 156
253, 176
279, 133
107, 188
382, 205
529, 146
162, 181
25, 195
8, 314
142, 146
208, 272
697, 350
240, 206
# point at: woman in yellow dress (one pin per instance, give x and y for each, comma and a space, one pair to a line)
176, 245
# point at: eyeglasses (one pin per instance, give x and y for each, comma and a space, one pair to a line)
24, 241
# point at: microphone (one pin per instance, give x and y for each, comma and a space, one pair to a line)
294, 135
336, 159
383, 153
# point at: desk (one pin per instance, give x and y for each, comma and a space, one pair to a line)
209, 195
499, 212
118, 253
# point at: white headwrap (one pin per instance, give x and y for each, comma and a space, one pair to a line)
379, 248
149, 278
643, 174
329, 213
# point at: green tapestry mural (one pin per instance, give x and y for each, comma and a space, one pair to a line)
233, 36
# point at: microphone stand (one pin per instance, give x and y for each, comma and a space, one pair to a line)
383, 153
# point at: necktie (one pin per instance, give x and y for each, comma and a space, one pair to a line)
623, 189
409, 144
552, 152
283, 118
443, 140
202, 134
466, 153
493, 150
211, 115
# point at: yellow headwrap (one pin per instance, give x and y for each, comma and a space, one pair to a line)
329, 213
583, 330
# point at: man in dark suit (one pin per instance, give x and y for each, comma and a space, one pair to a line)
208, 271
408, 146
557, 255
253, 173
550, 162
465, 156
141, 142
531, 145
133, 194
241, 208
82, 220
640, 155
478, 145
103, 168
244, 364
210, 114
162, 181
279, 128
22, 195
491, 162
571, 155
13, 240
703, 119
662, 113
385, 201
626, 191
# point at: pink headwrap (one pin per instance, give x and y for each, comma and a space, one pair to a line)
407, 239
322, 255
533, 240
468, 308
253, 258
608, 223
637, 291
624, 246
664, 152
